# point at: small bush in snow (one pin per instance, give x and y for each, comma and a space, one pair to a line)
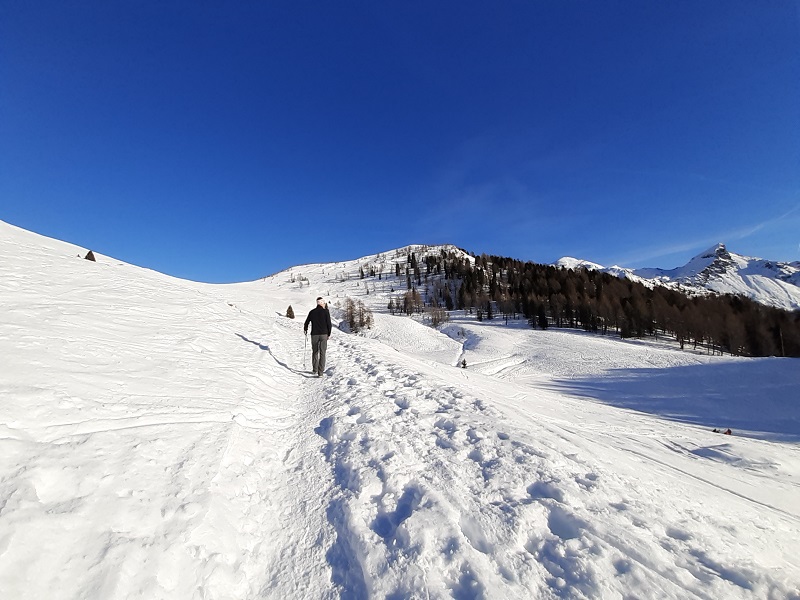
357, 315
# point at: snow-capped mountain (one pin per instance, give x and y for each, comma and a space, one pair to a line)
717, 270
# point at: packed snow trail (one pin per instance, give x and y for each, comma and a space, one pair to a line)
160, 439
440, 495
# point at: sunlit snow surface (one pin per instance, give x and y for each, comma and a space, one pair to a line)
164, 439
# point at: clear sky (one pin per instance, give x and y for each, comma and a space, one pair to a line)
224, 141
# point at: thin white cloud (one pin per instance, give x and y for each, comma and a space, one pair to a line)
753, 229
699, 244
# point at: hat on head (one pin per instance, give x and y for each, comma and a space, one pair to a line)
320, 301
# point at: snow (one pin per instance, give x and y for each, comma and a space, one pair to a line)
161, 438
567, 262
724, 272
717, 271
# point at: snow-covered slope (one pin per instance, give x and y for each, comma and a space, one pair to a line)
567, 262
163, 439
721, 271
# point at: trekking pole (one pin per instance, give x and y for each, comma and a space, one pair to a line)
305, 346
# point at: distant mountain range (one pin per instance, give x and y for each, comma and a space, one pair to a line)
717, 270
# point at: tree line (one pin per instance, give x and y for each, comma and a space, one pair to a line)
549, 296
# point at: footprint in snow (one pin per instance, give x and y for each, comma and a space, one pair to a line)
543, 489
446, 425
588, 482
474, 436
442, 442
678, 534
468, 585
476, 455
386, 523
623, 566
564, 525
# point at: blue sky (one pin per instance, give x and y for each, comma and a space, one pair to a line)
224, 141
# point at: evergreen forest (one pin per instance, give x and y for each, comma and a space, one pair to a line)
492, 287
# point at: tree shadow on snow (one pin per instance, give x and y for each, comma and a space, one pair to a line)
756, 397
275, 358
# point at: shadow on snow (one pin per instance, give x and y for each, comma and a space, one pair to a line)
757, 397
276, 359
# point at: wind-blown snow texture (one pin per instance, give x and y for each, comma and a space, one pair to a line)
161, 439
720, 271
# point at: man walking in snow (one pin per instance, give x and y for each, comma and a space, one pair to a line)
320, 320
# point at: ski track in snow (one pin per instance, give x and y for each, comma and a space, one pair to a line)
161, 439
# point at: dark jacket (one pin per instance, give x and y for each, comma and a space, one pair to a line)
320, 320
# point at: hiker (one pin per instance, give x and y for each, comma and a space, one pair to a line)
464, 364
320, 320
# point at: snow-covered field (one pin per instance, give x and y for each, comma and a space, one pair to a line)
161, 438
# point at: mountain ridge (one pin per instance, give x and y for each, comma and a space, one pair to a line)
717, 271
714, 271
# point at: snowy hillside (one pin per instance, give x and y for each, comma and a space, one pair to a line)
721, 271
161, 438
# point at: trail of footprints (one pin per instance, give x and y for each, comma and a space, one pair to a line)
399, 445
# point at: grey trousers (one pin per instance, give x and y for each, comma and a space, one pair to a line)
319, 346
